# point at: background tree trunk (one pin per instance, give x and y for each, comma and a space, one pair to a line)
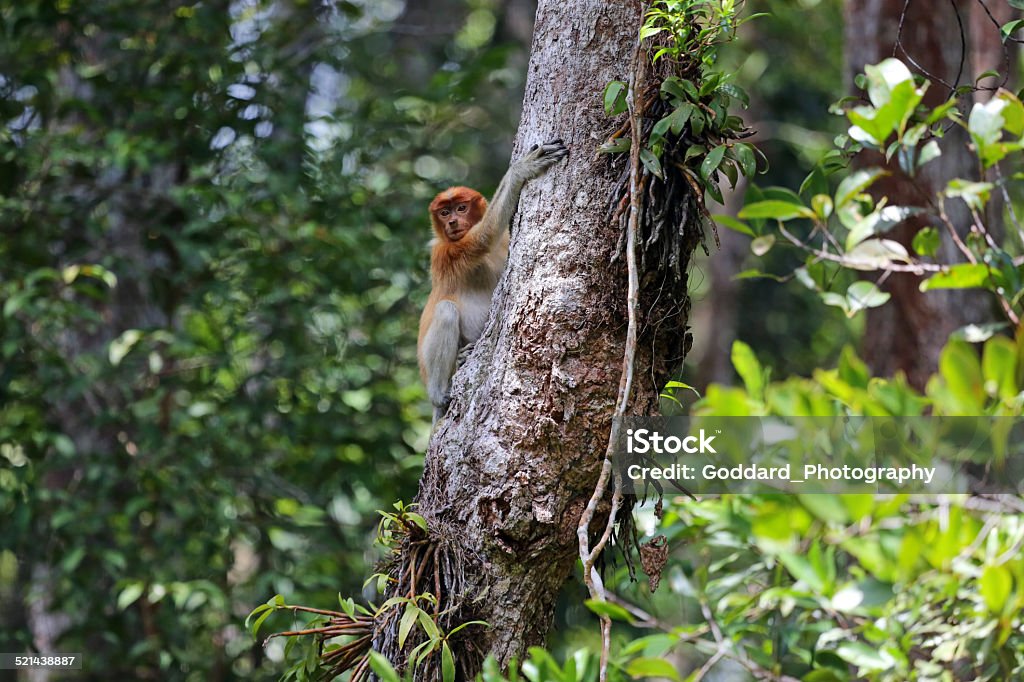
510, 469
908, 333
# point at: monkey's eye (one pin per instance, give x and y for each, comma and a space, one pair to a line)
445, 212
462, 208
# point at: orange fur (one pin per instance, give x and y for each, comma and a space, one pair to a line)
467, 264
468, 257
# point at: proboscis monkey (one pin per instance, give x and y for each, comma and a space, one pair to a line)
468, 255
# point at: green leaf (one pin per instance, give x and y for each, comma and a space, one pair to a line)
412, 612
1009, 28
616, 146
447, 663
13, 304
1013, 113
660, 128
985, 125
731, 223
779, 210
259, 621
873, 125
63, 445
420, 653
101, 273
864, 656
416, 519
715, 192
926, 242
121, 346
999, 368
875, 254
762, 244
862, 295
383, 668
680, 384
680, 88
615, 98
995, 586
678, 118
877, 222
711, 161
651, 162
129, 595
744, 153
640, 668
959, 276
975, 194
801, 569
748, 367
429, 626
979, 333
884, 77
961, 371
822, 205
987, 122
735, 92
468, 623
754, 273
855, 183
605, 608
698, 120
814, 184
648, 31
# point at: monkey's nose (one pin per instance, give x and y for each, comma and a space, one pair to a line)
453, 223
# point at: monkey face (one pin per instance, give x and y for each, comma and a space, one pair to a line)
455, 219
455, 211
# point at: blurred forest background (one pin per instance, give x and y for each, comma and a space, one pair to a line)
213, 252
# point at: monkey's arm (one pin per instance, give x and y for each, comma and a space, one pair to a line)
439, 353
503, 205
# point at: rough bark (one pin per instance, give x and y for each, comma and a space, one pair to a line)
909, 332
512, 465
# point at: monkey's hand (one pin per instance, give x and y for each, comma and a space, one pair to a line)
464, 353
542, 157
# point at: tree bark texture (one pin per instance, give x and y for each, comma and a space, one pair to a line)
908, 333
512, 465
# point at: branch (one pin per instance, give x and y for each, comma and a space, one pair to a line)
915, 268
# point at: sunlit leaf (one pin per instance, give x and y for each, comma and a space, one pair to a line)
926, 242
856, 183
779, 210
959, 276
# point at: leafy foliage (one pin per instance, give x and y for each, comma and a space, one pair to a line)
851, 225
213, 253
695, 129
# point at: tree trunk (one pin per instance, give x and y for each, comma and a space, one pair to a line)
512, 465
908, 333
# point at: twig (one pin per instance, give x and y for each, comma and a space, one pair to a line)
1006, 197
709, 664
979, 225
915, 268
589, 556
647, 620
738, 655
953, 233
